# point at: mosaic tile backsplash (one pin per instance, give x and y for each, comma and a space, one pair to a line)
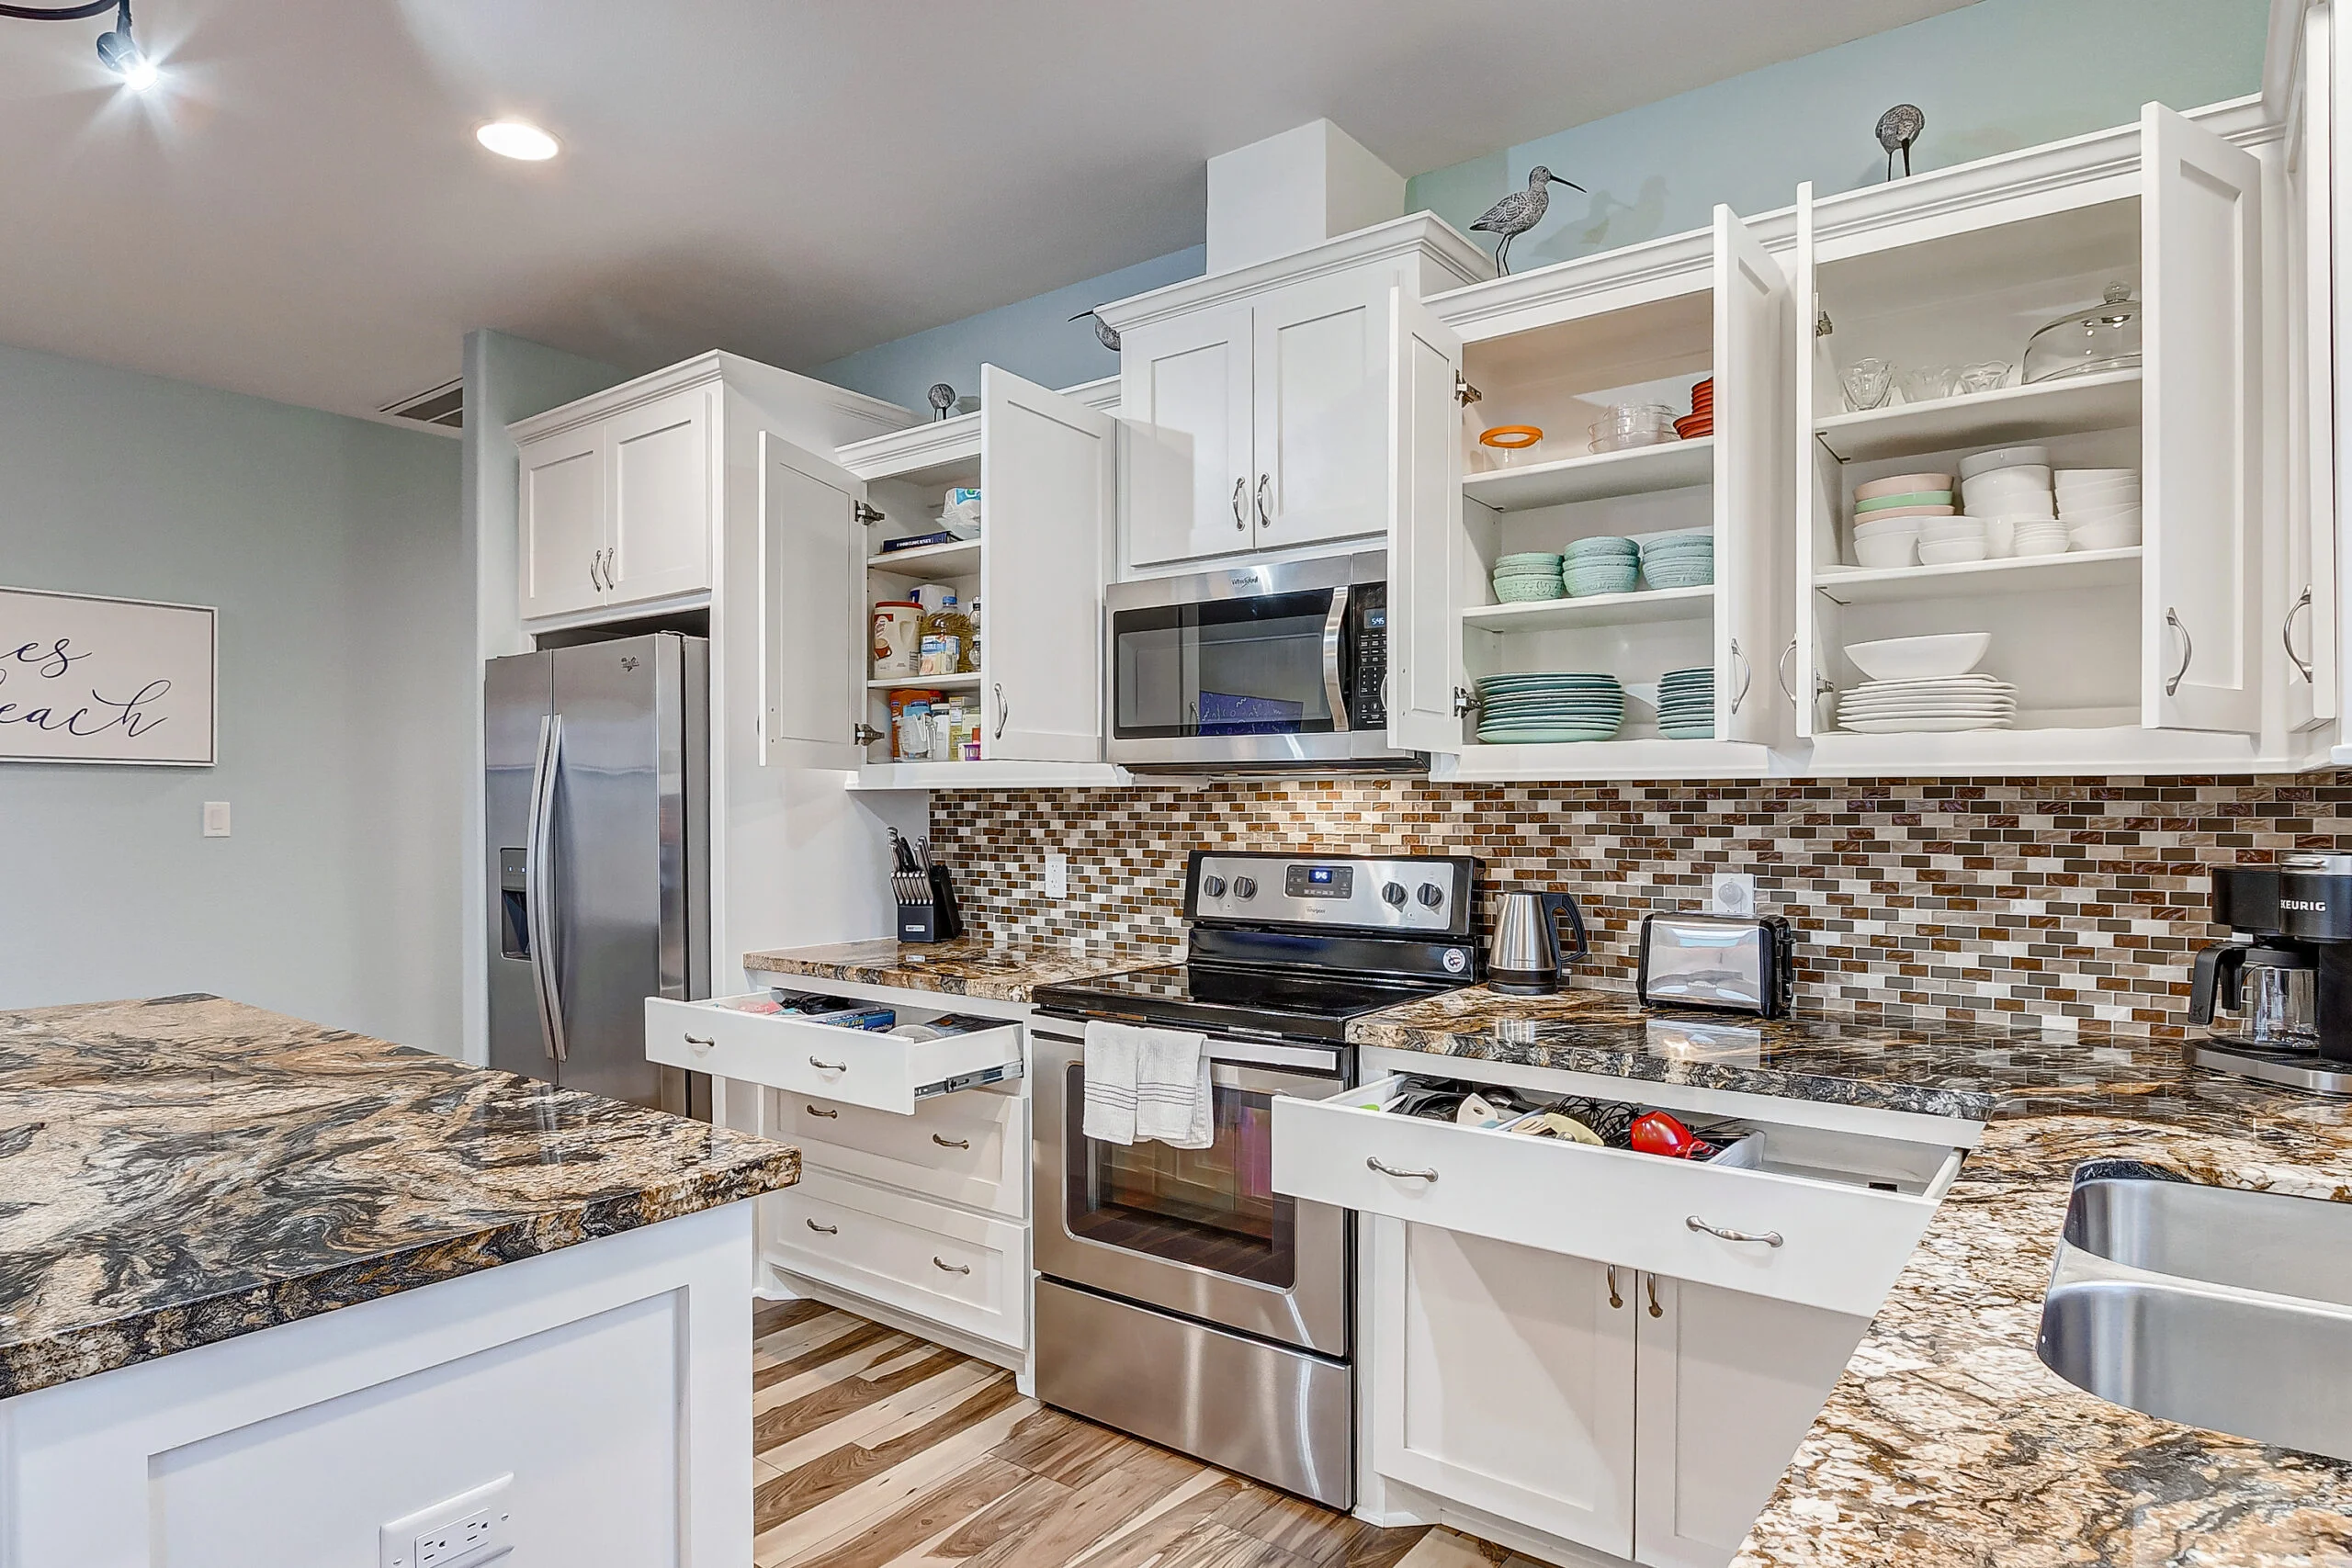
2078, 898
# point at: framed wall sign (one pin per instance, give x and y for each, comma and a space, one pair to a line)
92, 680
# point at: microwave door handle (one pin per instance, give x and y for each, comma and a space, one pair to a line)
538, 885
1335, 625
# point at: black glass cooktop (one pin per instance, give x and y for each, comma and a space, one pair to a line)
1211, 997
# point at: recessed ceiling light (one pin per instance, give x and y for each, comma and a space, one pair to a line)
518, 138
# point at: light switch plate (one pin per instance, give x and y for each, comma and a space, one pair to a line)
1057, 874
216, 818
1733, 893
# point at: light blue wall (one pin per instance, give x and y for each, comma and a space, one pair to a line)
1991, 78
1033, 338
331, 547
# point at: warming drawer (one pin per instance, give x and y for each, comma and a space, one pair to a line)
855, 1067
1832, 1216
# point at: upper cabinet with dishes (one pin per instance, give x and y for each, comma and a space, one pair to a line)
1256, 401
620, 496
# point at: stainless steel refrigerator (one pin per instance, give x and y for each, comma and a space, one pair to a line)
599, 873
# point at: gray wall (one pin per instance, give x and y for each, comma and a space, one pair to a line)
331, 547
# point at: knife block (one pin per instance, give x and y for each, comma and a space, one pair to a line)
935, 918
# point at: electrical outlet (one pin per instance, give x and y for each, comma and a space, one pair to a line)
1734, 894
216, 818
458, 1532
1057, 874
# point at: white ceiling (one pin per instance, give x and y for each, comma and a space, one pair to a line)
303, 213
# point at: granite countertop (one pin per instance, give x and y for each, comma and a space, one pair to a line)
1947, 1441
183, 1171
967, 966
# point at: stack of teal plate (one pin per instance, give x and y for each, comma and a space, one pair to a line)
1601, 565
1686, 703
1679, 561
1526, 577
1525, 709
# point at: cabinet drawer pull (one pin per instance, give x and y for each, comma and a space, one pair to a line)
1769, 1238
1615, 1301
592, 561
1655, 1309
946, 1268
1003, 711
1240, 498
2287, 635
829, 1066
951, 1143
1373, 1161
700, 1042
2188, 652
822, 1230
828, 1115
1263, 482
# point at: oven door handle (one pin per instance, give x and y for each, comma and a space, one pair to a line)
1335, 624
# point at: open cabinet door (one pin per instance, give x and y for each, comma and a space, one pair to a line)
2311, 629
1425, 546
1049, 483
1814, 480
1753, 442
2200, 238
812, 557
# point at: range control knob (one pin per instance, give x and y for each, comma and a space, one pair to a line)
1213, 886
1245, 887
1431, 894
1393, 893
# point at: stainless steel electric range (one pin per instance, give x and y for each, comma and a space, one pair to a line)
1179, 1297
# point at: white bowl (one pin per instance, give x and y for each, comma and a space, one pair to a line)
1919, 657
2107, 536
2082, 494
2044, 544
2065, 477
1951, 552
2004, 458
1902, 484
2008, 481
1889, 549
1939, 530
2129, 512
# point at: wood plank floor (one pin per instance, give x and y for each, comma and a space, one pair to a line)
878, 1451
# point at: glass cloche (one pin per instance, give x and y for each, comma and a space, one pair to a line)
2105, 336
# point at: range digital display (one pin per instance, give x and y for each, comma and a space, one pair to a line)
1319, 881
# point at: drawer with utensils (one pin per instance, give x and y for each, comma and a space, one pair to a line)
855, 1067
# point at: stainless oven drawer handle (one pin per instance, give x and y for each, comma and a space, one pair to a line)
951, 1143
1373, 1162
946, 1268
829, 1066
703, 1042
824, 1230
828, 1115
1769, 1238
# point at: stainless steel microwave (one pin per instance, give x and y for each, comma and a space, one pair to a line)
1280, 668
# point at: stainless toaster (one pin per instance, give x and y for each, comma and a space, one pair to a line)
1735, 964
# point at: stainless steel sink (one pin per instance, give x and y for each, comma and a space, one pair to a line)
2208, 1307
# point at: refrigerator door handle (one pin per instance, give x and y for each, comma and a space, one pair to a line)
539, 906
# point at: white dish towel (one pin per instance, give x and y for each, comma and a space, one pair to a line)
1145, 1085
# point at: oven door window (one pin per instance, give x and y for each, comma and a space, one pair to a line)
1252, 666
1213, 1209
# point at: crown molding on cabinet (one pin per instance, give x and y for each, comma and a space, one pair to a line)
1423, 238
702, 370
921, 446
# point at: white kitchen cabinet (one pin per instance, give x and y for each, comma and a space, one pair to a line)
1321, 401
1185, 396
561, 523
664, 497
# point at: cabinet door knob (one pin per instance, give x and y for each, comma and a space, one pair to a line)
829, 1114
829, 1066
1263, 521
951, 1143
1723, 1233
824, 1230
946, 1268
1240, 501
1372, 1162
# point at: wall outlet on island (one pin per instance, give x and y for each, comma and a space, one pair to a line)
458, 1532
1733, 893
1057, 874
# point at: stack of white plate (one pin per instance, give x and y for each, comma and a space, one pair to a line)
1939, 703
1518, 710
2100, 507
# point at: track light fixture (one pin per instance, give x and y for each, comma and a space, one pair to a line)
117, 50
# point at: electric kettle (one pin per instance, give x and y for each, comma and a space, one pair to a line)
1524, 959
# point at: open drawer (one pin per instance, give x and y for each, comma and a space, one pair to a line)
1824, 1219
856, 1066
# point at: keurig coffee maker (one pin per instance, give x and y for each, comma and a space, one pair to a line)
2276, 999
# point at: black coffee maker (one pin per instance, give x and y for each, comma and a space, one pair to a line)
2276, 999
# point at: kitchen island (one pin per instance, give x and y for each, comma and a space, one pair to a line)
268, 1288
1947, 1441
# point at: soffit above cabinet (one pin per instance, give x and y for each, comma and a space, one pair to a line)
1442, 252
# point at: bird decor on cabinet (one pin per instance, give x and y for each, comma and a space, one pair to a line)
1104, 332
943, 400
1897, 128
1521, 210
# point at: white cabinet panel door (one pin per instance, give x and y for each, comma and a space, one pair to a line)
661, 497
1322, 404
812, 555
1426, 549
1504, 1380
1815, 478
2199, 667
1185, 400
1050, 473
1729, 1385
1753, 443
2309, 630
563, 523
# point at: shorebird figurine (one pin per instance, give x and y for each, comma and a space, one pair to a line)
1521, 210
941, 399
1104, 333
1897, 128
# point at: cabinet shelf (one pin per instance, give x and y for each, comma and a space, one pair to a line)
1637, 471
1655, 605
989, 775
959, 559
967, 683
1986, 419
1656, 758
2022, 574
2118, 749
